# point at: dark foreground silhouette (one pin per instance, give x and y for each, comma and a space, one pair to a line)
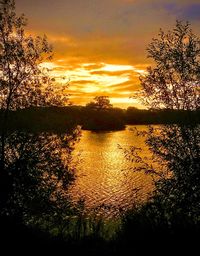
18, 238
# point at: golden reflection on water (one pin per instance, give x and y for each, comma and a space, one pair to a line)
104, 178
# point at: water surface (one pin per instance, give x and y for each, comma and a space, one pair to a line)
104, 179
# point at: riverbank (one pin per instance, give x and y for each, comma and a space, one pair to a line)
60, 119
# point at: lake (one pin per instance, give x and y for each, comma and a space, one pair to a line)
104, 179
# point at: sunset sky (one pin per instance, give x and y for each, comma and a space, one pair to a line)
100, 45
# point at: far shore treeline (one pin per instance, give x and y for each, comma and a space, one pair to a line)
58, 119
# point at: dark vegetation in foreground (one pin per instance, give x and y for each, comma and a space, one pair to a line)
138, 235
59, 119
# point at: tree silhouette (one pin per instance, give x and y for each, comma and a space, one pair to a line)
34, 168
173, 84
174, 81
40, 169
23, 81
100, 103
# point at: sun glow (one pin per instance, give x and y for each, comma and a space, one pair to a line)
87, 80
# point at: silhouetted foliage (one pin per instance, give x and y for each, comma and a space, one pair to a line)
174, 81
58, 119
100, 103
104, 119
161, 116
35, 168
38, 170
172, 84
23, 81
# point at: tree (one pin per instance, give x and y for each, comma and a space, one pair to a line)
40, 170
100, 103
174, 81
29, 163
23, 81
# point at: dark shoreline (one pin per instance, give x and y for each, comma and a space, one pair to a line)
62, 119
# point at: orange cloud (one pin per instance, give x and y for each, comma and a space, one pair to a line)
100, 46
87, 80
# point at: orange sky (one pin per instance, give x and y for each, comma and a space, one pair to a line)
99, 45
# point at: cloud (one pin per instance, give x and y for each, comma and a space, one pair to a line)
83, 82
93, 66
87, 34
188, 11
192, 12
110, 73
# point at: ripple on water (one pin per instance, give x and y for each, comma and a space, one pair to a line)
104, 179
